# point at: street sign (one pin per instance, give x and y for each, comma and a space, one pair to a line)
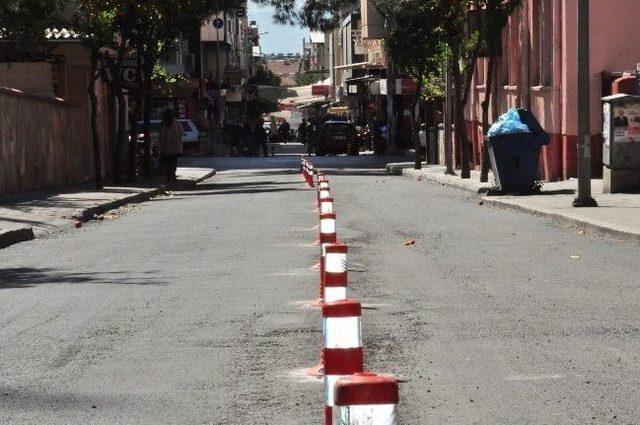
129, 71
241, 12
218, 23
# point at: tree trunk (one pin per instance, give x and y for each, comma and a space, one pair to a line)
462, 138
448, 141
134, 117
489, 93
484, 174
414, 131
391, 108
97, 157
132, 172
148, 77
122, 134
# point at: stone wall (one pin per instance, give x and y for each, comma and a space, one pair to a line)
20, 75
46, 141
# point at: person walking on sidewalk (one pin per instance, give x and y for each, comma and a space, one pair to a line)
261, 137
170, 144
422, 137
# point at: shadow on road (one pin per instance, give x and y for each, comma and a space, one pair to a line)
21, 400
27, 277
213, 189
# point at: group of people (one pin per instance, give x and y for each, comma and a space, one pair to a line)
249, 139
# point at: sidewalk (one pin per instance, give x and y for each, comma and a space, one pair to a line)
617, 214
26, 216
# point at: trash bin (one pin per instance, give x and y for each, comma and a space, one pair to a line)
515, 157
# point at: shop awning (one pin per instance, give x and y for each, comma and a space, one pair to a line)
362, 65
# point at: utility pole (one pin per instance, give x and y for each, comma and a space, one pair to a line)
584, 198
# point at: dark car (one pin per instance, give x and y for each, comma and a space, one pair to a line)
337, 137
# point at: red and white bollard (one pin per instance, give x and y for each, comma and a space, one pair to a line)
335, 272
342, 353
305, 170
323, 194
311, 175
327, 236
323, 187
328, 228
366, 398
326, 206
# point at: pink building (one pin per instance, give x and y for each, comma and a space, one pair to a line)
538, 70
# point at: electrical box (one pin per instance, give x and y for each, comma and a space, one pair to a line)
621, 132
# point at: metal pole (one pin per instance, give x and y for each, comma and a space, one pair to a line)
584, 198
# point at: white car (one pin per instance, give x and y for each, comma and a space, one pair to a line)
190, 132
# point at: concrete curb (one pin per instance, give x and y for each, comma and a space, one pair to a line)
14, 236
562, 219
89, 213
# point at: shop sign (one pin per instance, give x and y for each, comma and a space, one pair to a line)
320, 90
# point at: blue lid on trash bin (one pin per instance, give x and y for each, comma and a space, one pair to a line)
508, 123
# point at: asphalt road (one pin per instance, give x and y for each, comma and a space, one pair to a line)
190, 309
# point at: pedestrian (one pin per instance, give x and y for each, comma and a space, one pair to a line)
378, 139
284, 131
303, 135
261, 137
171, 147
246, 139
422, 137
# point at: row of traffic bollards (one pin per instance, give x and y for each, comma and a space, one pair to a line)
352, 396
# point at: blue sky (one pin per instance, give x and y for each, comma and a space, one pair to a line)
281, 38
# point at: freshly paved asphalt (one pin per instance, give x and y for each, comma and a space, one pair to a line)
189, 309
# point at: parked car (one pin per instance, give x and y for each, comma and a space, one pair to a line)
190, 133
337, 137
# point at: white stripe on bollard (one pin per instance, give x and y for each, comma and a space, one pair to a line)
326, 205
328, 225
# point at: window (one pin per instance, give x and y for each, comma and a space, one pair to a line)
542, 38
514, 49
481, 72
504, 60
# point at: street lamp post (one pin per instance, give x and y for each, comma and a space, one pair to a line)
584, 198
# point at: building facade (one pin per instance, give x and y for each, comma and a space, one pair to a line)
538, 70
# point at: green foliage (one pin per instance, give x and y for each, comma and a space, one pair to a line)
264, 77
309, 78
321, 15
160, 73
28, 18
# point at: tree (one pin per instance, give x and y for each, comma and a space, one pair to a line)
464, 45
412, 41
96, 25
264, 77
22, 27
497, 16
160, 24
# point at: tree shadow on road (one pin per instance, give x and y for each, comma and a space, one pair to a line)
27, 277
242, 188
